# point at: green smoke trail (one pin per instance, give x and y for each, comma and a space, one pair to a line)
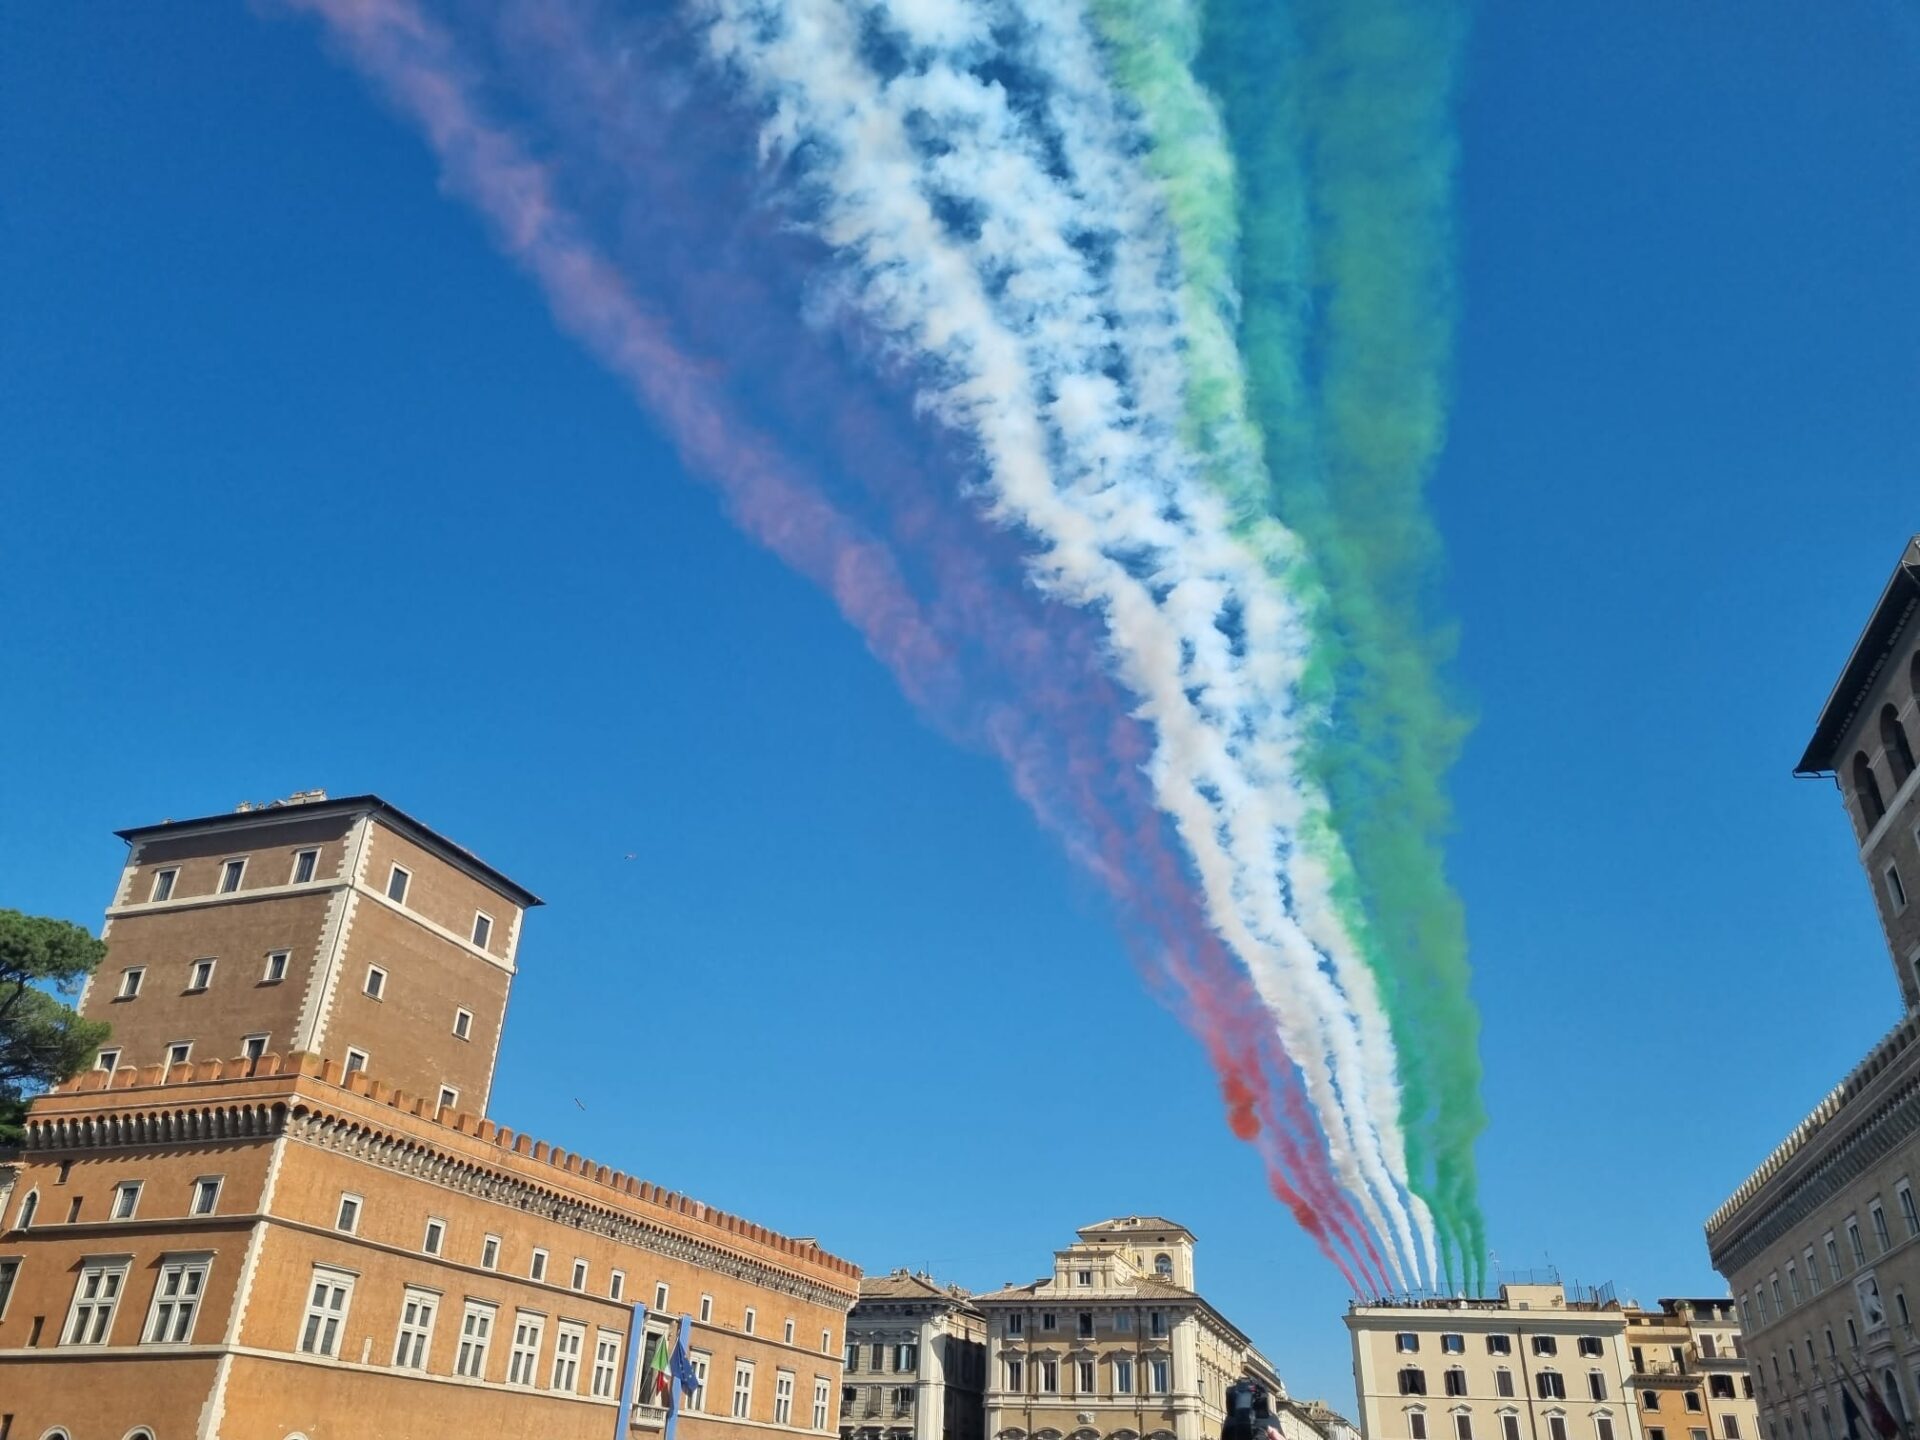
1341, 127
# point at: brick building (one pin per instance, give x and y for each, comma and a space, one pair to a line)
337, 1242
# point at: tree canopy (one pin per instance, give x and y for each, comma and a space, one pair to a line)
43, 1040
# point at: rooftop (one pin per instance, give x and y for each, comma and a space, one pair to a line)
315, 802
1870, 654
1144, 1285
904, 1285
1133, 1224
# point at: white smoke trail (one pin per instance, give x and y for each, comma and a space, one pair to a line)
1070, 456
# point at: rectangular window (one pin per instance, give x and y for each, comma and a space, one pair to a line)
1592, 1345
176, 1299
1083, 1377
230, 874
1016, 1375
1499, 1344
482, 929
1156, 1323
1161, 1374
126, 1199
1729, 1427
702, 1362
906, 1359
1509, 1426
1014, 1323
397, 879
1853, 1242
1083, 1277
490, 1253
579, 1278
1122, 1322
1879, 1217
1603, 1428
95, 1300
742, 1389
436, 1236
1596, 1385
1793, 1282
1453, 1344
305, 862
523, 1359
746, 1322
254, 1046
180, 1052
606, 1363
783, 1397
706, 1309
1693, 1396
660, 1298
617, 1285
356, 1061
200, 976
9, 1273
415, 1336
537, 1265
206, 1194
1084, 1325
376, 982
1413, 1381
326, 1316
163, 885
1833, 1256
1556, 1427
476, 1334
347, 1218
1503, 1383
1545, 1345
1417, 1425
821, 1396
276, 970
789, 1330
108, 1060
130, 981
463, 1024
1455, 1381
1550, 1385
1049, 1377
1122, 1376
1813, 1271
826, 1342
1463, 1427
1896, 892
1903, 1192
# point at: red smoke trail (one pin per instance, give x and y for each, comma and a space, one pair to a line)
1056, 664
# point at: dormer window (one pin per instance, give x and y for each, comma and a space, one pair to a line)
1083, 1277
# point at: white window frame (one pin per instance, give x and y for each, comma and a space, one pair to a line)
200, 974
419, 1309
254, 1047
267, 976
523, 1355
577, 1279
477, 1318
449, 1098
788, 1336
1049, 1377
172, 1314
358, 1204
1123, 1374
608, 1348
746, 1320
406, 884
183, 1049
357, 1060
321, 1313
9, 1279
617, 1285
372, 989
537, 1264
481, 920
1878, 1214
239, 876
131, 979
1903, 1196
210, 1186
569, 1349
490, 1252
826, 1342
783, 1397
126, 1200
29, 1208
91, 1312
459, 1032
702, 1363
706, 1309
171, 875
434, 1240
742, 1390
822, 1403
107, 1060
312, 857
1160, 1373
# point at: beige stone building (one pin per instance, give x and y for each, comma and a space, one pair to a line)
916, 1362
1530, 1365
1821, 1244
1690, 1376
1115, 1344
264, 1247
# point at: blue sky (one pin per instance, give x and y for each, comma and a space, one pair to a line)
304, 489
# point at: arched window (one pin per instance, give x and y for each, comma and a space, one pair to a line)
1893, 735
1163, 1266
54, 1435
141, 1434
28, 1207
1866, 790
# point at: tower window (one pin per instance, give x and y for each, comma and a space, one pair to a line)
230, 874
163, 884
397, 880
376, 985
304, 864
356, 1060
130, 981
276, 970
1893, 738
1866, 790
254, 1046
463, 1024
201, 975
1896, 892
482, 928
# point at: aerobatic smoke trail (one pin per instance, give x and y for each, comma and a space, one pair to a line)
1002, 302
1345, 203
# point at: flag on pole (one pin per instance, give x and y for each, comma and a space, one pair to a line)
1884, 1424
1850, 1413
680, 1367
630, 1372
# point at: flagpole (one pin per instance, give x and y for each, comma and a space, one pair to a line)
630, 1380
673, 1380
